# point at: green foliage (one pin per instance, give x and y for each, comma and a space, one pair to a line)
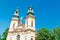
56, 33
4, 35
0, 37
45, 34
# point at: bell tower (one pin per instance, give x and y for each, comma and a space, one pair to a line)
30, 24
14, 21
30, 19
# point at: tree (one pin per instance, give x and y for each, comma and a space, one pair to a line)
43, 34
4, 35
56, 33
0, 37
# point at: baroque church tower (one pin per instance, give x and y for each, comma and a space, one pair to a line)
19, 31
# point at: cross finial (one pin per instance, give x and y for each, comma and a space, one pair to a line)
30, 9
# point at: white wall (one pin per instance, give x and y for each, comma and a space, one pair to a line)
11, 25
29, 23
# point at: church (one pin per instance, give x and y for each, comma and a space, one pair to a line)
20, 31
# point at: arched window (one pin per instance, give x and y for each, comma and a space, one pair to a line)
13, 25
18, 37
27, 23
32, 23
31, 38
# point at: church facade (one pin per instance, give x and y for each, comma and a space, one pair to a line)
20, 31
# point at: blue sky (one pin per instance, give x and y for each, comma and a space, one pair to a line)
47, 12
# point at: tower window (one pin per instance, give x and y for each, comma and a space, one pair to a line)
27, 23
18, 37
13, 25
32, 23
